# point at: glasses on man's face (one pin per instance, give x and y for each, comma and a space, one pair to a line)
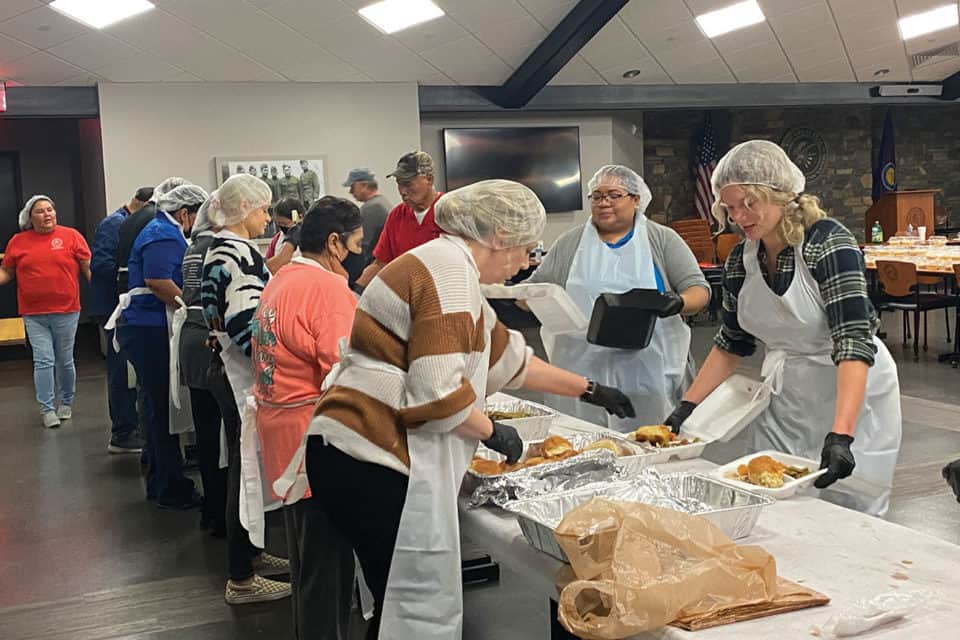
611, 197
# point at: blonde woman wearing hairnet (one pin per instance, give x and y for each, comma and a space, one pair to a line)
617, 250
403, 414
234, 274
796, 285
46, 259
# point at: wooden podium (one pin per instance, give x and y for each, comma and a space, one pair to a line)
896, 209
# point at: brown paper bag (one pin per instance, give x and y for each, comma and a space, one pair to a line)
640, 567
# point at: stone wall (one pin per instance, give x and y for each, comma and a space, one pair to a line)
927, 144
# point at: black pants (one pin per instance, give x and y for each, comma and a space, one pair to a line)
364, 502
240, 551
206, 422
321, 573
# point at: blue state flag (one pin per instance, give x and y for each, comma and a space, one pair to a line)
885, 170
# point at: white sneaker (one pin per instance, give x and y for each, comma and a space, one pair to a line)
50, 419
65, 412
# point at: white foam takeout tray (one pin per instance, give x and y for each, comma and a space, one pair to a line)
728, 410
790, 486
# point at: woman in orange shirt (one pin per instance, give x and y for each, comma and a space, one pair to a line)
305, 310
46, 260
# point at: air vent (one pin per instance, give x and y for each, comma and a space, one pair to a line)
933, 56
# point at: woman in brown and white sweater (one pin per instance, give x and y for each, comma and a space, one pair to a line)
397, 428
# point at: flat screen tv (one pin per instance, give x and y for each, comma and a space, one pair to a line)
546, 159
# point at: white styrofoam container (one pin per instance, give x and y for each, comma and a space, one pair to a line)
790, 486
536, 427
678, 452
728, 410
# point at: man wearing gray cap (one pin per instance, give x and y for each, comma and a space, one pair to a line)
411, 223
374, 208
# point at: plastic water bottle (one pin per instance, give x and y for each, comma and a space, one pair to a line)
876, 233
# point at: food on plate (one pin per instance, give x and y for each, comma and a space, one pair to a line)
797, 472
658, 435
532, 462
508, 415
764, 471
487, 467
609, 445
556, 446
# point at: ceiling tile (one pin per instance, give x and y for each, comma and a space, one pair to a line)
651, 15
881, 56
768, 52
699, 7
936, 72
650, 72
789, 77
744, 38
549, 13
908, 7
897, 73
42, 28
686, 55
512, 41
83, 80
141, 67
431, 35
871, 38
834, 71
306, 15
659, 39
350, 37
10, 8
613, 43
468, 61
11, 49
774, 8
577, 71
798, 28
933, 40
40, 69
762, 70
436, 79
93, 51
817, 53
328, 69
855, 7
474, 15
707, 72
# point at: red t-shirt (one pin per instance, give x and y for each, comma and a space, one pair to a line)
47, 268
401, 232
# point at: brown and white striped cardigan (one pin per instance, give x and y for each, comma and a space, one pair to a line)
421, 333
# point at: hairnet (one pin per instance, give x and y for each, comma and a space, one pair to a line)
628, 180
27, 208
757, 162
186, 195
237, 197
203, 221
498, 213
169, 184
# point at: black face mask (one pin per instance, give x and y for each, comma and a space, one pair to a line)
294, 228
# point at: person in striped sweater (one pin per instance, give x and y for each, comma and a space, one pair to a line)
393, 435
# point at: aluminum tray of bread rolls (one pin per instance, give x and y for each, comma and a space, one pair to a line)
734, 511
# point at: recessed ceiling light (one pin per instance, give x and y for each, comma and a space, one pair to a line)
631, 73
919, 24
100, 13
881, 72
391, 16
736, 16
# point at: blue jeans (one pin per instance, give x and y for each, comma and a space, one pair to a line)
149, 351
121, 400
51, 338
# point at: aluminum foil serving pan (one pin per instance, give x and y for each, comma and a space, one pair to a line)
734, 511
531, 420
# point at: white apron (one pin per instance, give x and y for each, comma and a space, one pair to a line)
239, 372
181, 414
803, 378
122, 304
653, 378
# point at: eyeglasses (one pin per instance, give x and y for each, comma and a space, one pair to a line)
611, 197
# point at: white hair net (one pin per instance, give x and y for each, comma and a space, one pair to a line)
203, 221
27, 208
757, 162
498, 213
166, 186
237, 197
627, 179
186, 195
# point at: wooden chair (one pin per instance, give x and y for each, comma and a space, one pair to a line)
954, 356
725, 244
900, 290
696, 233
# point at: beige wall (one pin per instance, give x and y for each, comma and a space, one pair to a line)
151, 131
596, 149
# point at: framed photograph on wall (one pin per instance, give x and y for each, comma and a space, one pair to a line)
300, 177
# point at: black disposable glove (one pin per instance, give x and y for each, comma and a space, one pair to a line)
505, 440
292, 235
951, 473
613, 400
672, 304
837, 458
680, 415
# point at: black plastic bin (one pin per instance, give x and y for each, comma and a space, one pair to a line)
625, 320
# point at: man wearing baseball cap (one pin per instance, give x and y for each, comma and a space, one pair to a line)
374, 208
411, 222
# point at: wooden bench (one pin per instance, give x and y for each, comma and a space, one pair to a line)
12, 332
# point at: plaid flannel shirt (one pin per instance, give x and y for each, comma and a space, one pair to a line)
836, 262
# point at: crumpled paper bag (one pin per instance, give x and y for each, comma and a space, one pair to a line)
639, 567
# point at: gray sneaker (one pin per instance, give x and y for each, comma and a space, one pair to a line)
130, 444
50, 419
65, 412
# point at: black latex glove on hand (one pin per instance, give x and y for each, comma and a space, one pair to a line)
673, 304
613, 400
292, 235
680, 415
837, 458
505, 440
951, 473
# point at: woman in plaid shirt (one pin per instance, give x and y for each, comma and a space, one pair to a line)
796, 284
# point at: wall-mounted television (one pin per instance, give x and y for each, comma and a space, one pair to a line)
546, 159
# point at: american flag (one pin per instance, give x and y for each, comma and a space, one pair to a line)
704, 164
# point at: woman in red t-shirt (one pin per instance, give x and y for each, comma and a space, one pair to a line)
46, 260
